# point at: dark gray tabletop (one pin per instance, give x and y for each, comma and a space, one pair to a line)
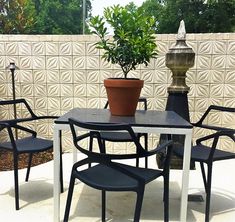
149, 118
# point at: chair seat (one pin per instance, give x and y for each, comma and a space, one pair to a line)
116, 136
29, 144
201, 153
100, 176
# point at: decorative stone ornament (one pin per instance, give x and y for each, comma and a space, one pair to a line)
179, 59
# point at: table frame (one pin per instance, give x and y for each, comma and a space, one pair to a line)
138, 129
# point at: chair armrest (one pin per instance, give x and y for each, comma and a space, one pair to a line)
83, 136
212, 107
47, 117
230, 133
159, 148
81, 163
9, 126
216, 128
3, 125
25, 129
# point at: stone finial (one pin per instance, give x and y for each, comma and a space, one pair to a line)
181, 31
179, 59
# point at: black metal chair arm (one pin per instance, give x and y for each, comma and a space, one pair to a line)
159, 148
81, 163
13, 123
228, 132
10, 125
25, 129
46, 117
204, 126
4, 124
212, 107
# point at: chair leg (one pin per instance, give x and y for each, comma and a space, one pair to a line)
103, 193
138, 206
208, 194
146, 148
166, 198
29, 166
69, 198
90, 149
203, 175
137, 162
15, 156
137, 159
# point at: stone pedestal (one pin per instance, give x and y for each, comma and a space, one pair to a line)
179, 59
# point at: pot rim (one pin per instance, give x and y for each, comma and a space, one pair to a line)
122, 82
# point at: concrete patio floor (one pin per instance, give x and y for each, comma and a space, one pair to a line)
36, 197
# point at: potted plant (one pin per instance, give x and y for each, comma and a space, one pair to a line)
132, 44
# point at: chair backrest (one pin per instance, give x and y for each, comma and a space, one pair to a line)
103, 157
229, 133
94, 131
201, 123
8, 121
6, 105
141, 100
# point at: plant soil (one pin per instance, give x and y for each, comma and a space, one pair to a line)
6, 159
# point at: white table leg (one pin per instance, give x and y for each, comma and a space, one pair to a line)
185, 177
56, 147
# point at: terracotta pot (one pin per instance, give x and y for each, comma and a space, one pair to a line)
123, 95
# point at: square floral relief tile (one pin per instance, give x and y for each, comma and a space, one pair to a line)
25, 48
38, 48
11, 48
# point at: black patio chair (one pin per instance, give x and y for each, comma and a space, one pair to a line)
22, 139
108, 175
207, 154
125, 137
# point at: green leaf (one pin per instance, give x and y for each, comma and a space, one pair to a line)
133, 42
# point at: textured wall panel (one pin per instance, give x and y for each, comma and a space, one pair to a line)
52, 48
79, 62
58, 73
65, 48
66, 76
2, 48
38, 62
38, 48
11, 48
65, 62
78, 48
25, 48
52, 62
2, 61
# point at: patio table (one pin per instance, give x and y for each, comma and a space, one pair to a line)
150, 121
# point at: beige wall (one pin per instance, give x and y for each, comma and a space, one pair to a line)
57, 73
